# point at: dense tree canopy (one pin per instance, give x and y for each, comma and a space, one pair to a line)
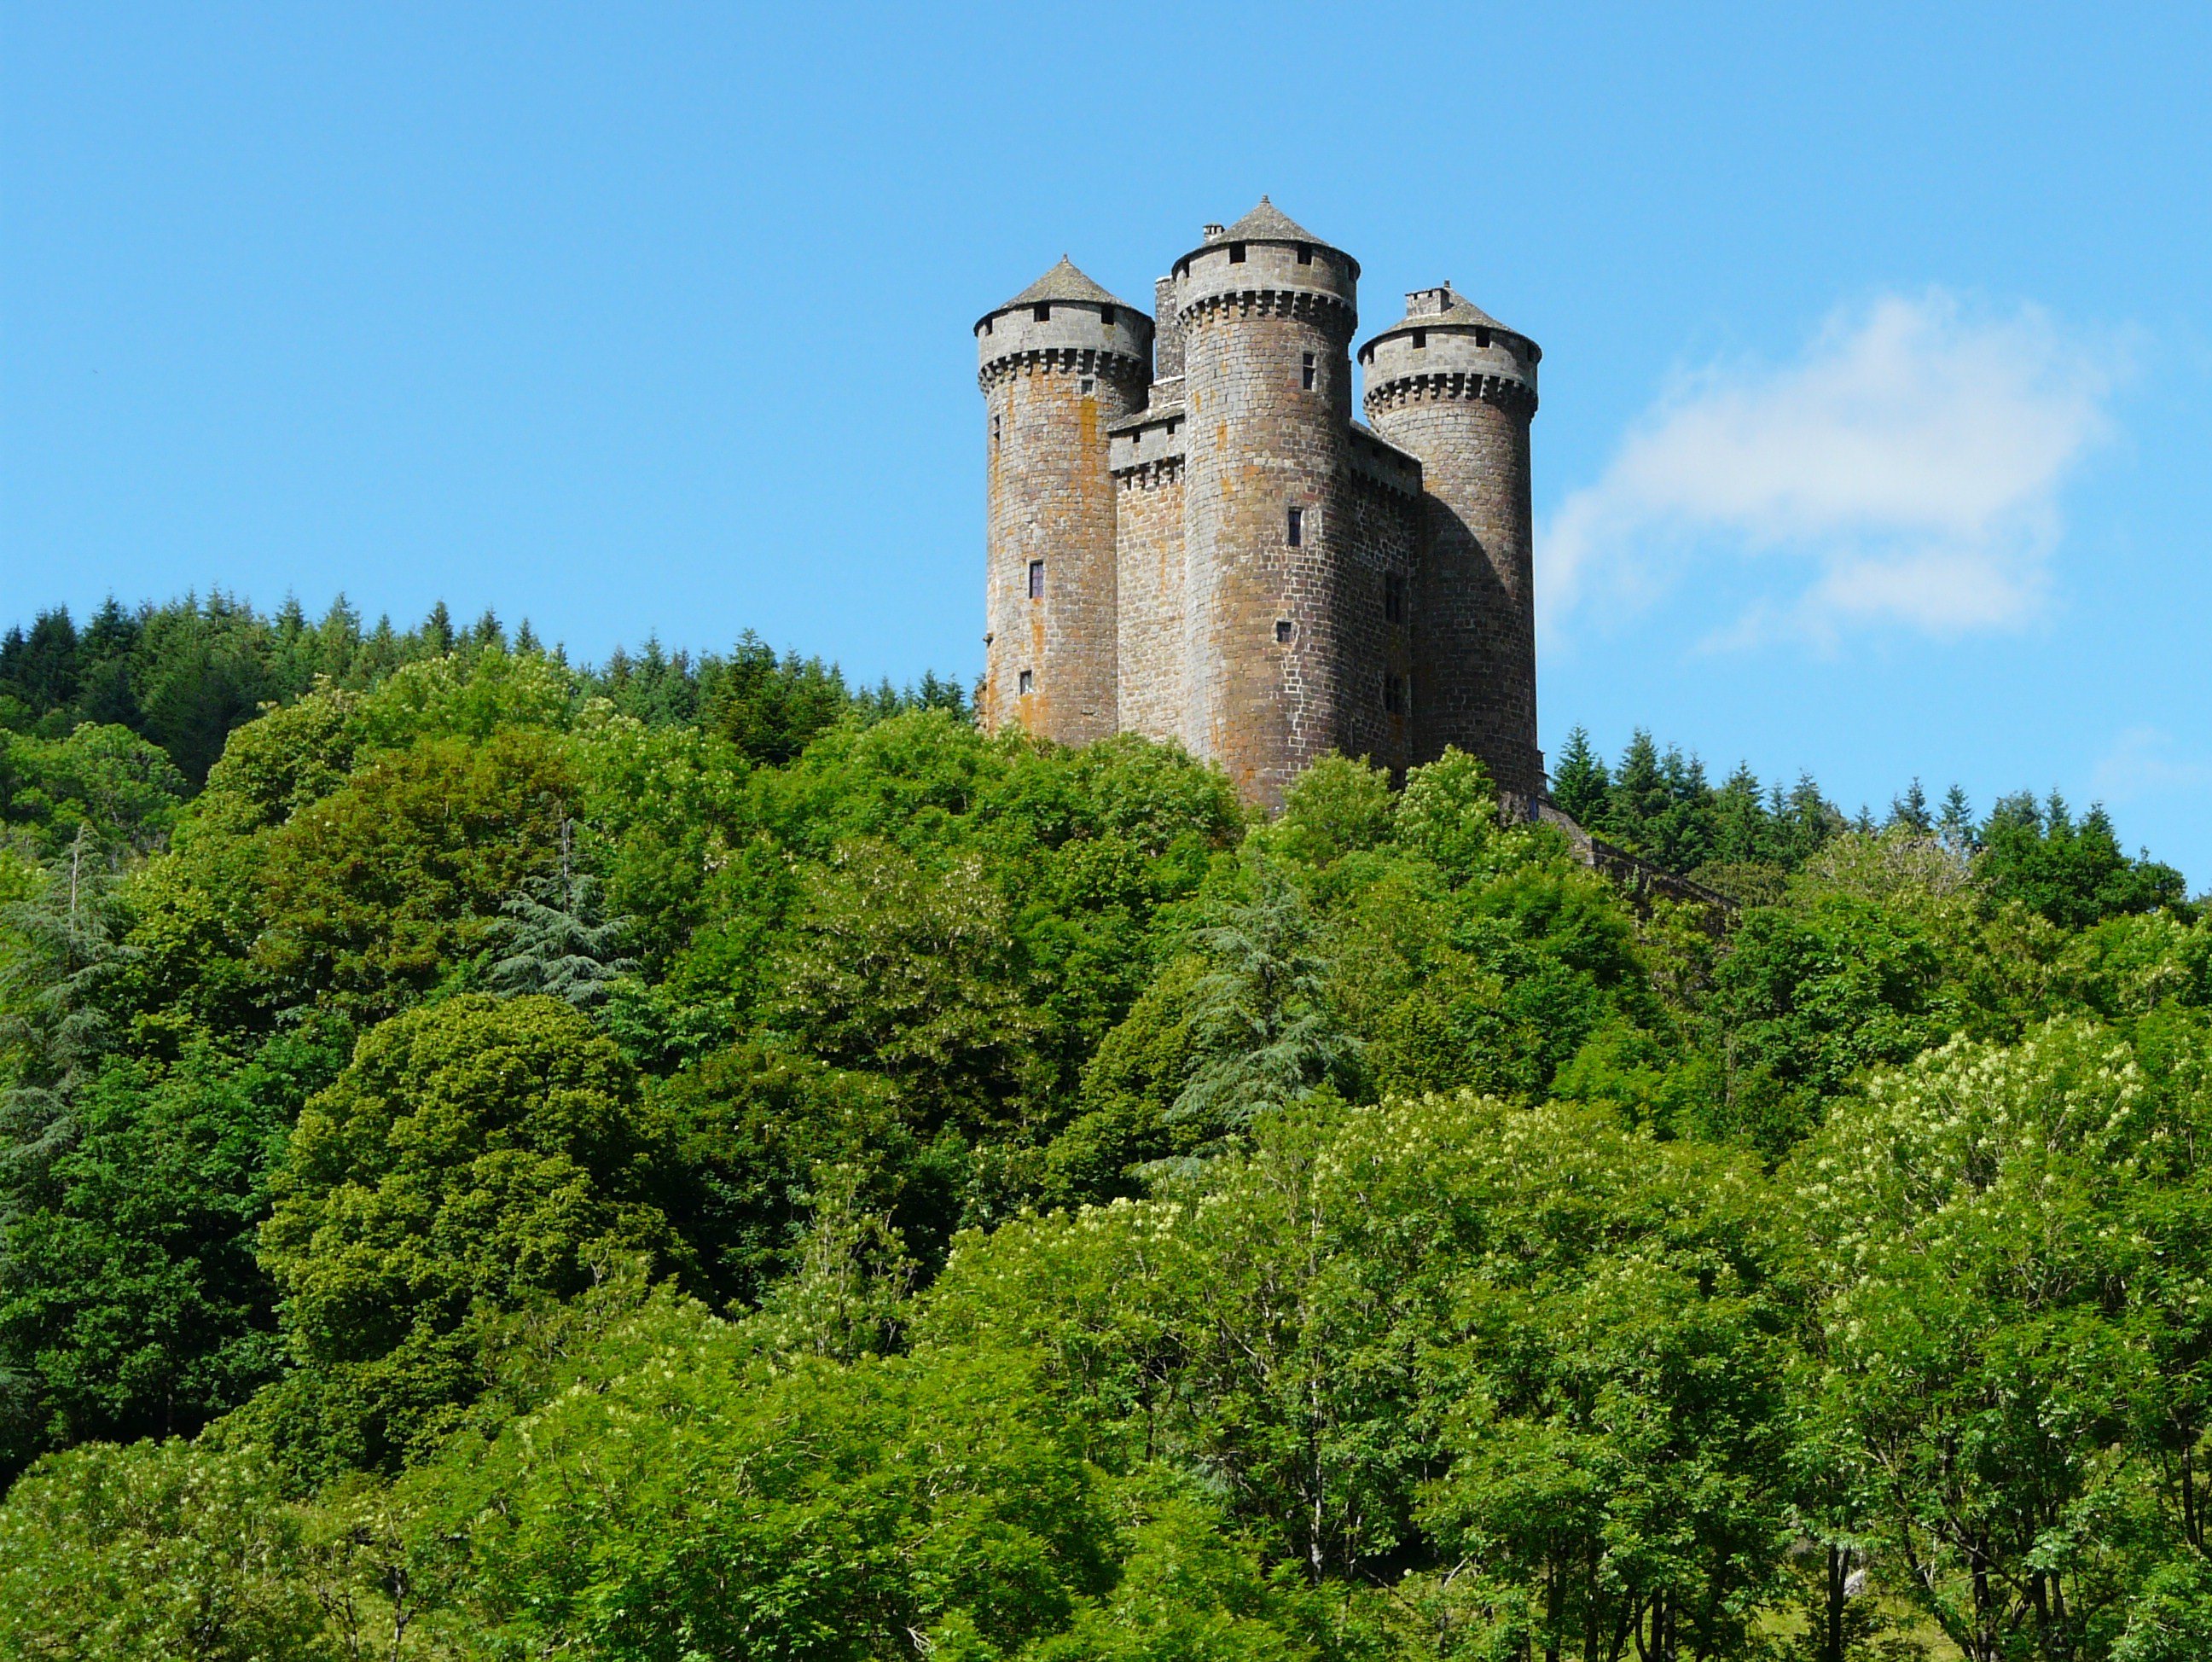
683, 1159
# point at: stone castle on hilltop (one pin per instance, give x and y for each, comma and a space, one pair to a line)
1190, 537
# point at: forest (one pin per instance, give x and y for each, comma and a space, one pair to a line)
686, 1158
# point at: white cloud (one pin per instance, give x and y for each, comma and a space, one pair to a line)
1905, 470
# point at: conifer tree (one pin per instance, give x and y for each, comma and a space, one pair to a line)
557, 941
1910, 810
1580, 782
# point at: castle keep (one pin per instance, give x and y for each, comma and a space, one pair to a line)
1190, 537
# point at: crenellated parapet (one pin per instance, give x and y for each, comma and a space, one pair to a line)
1330, 311
1433, 386
1376, 461
1105, 364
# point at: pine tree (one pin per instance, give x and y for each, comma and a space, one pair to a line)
1956, 821
557, 943
1261, 1018
70, 932
1579, 780
438, 630
1911, 811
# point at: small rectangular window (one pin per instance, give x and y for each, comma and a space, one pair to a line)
1305, 254
1042, 312
995, 429
1087, 385
1394, 694
1482, 337
1028, 683
1394, 597
1297, 526
1283, 632
1106, 316
1420, 340
1236, 254
1309, 372
1037, 580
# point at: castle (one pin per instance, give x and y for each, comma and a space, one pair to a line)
1189, 536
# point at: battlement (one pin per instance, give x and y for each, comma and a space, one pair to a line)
1147, 439
1190, 537
1064, 323
1380, 462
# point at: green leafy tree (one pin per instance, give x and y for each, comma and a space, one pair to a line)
156, 1551
2071, 874
1581, 782
62, 943
474, 1154
1998, 1234
131, 1302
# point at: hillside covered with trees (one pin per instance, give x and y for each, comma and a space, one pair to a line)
688, 1159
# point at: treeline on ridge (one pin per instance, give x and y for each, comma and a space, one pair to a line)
683, 1159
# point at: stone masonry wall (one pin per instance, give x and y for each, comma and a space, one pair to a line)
1261, 443
1462, 401
1381, 540
1052, 387
1148, 476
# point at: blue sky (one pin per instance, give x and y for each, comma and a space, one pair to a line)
1876, 434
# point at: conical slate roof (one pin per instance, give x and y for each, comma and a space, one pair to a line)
1459, 313
1063, 282
1268, 223
1466, 313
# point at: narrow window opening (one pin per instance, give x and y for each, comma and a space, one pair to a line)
1283, 632
1394, 597
995, 429
1106, 316
1420, 340
1037, 580
1309, 372
1297, 526
1042, 313
1236, 254
1482, 336
1305, 254
1087, 385
1394, 694
1027, 684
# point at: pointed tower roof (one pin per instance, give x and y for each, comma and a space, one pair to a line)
1268, 223
1063, 282
1459, 309
1448, 308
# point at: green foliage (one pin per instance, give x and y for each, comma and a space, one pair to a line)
131, 1300
518, 1118
474, 1154
2071, 874
151, 1552
2011, 1245
1449, 1325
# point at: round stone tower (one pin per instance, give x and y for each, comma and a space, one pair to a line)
1457, 389
1058, 364
1267, 312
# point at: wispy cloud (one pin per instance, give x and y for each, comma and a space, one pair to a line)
1905, 471
2142, 762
